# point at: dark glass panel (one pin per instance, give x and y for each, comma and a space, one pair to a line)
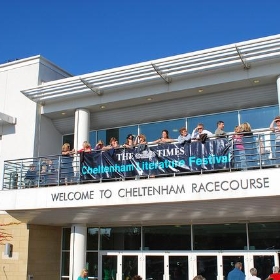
93, 138
109, 267
65, 261
259, 117
167, 238
264, 236
264, 265
92, 238
229, 263
92, 264
121, 238
153, 131
178, 268
124, 131
210, 121
129, 267
220, 237
69, 139
154, 267
207, 267
66, 234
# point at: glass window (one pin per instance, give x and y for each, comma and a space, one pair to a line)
167, 238
264, 236
65, 261
69, 139
220, 237
210, 121
152, 131
66, 233
92, 238
259, 117
120, 238
124, 131
92, 264
65, 254
129, 267
207, 266
101, 135
92, 138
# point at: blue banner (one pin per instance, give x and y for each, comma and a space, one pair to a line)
156, 160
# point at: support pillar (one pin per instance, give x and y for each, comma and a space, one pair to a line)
82, 124
77, 250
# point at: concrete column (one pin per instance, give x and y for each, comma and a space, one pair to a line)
78, 242
82, 124
278, 91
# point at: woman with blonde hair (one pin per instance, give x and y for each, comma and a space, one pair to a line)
66, 168
84, 275
246, 128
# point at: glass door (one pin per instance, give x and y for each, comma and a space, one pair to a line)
207, 266
182, 266
154, 267
229, 263
178, 267
262, 261
129, 266
118, 265
109, 267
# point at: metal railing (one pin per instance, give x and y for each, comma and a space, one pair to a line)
256, 151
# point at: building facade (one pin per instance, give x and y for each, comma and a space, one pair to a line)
162, 210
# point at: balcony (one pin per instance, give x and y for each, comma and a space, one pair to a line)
257, 151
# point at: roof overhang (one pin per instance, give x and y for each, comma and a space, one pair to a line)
245, 56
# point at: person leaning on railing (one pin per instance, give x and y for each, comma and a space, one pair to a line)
184, 136
164, 138
220, 129
129, 141
275, 127
66, 169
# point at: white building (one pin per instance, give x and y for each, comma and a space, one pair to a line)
175, 224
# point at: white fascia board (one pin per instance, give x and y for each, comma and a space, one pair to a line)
6, 119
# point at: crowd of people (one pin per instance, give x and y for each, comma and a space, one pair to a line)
235, 274
245, 149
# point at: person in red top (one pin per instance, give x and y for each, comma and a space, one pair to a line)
275, 275
86, 147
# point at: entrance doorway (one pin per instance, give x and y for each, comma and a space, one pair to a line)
182, 265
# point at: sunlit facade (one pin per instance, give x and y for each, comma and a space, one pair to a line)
164, 211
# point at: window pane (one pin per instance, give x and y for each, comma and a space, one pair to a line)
66, 233
153, 131
124, 131
92, 138
167, 238
216, 237
264, 236
92, 264
92, 239
259, 117
65, 263
210, 121
129, 267
101, 135
207, 267
122, 238
69, 139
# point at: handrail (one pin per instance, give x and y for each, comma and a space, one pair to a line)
258, 150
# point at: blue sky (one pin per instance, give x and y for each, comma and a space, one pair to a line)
89, 35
